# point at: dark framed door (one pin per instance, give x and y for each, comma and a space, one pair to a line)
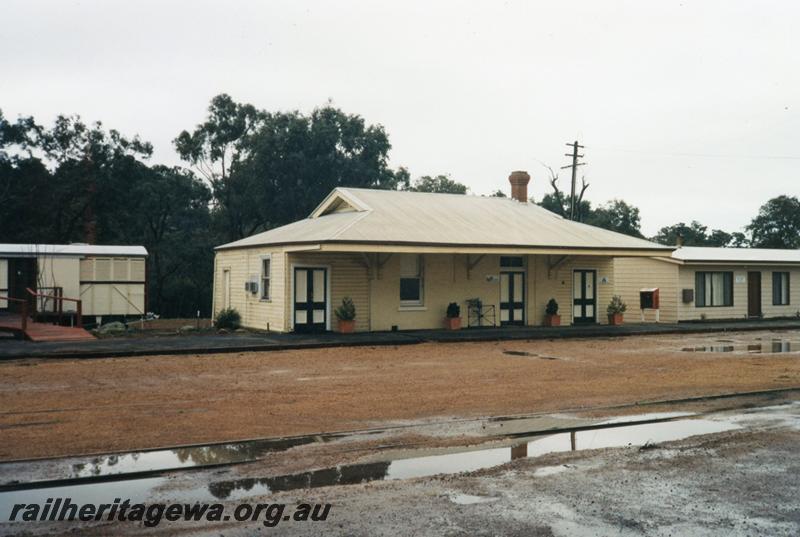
754, 294
310, 299
512, 298
21, 276
584, 296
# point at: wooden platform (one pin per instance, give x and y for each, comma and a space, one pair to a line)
10, 322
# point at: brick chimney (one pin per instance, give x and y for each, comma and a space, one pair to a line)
519, 185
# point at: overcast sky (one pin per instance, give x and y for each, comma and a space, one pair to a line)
687, 109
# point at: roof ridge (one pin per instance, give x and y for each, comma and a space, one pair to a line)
361, 216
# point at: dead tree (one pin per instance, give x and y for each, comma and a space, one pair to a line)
562, 202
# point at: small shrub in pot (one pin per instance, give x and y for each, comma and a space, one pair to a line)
452, 320
616, 308
346, 314
551, 316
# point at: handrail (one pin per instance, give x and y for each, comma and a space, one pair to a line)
24, 312
34, 293
78, 302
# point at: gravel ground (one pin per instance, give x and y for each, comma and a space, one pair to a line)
70, 407
736, 483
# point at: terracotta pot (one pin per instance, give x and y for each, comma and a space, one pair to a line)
552, 320
452, 323
347, 327
615, 319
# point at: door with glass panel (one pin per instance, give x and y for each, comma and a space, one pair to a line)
310, 306
584, 299
512, 298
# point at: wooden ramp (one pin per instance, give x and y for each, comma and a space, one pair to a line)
42, 331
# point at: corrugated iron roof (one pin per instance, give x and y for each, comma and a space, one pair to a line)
29, 250
695, 254
393, 217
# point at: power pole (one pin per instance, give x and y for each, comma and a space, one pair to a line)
575, 156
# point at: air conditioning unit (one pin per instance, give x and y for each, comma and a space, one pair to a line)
251, 287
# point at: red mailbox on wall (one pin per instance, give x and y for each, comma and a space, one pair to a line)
648, 300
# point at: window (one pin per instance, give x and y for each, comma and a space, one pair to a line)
507, 261
265, 273
780, 288
410, 280
713, 289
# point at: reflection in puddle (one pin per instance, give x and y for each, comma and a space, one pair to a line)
469, 461
150, 489
144, 461
137, 490
775, 346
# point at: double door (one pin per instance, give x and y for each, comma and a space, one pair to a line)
584, 297
310, 299
512, 298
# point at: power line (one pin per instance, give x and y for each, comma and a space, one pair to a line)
701, 155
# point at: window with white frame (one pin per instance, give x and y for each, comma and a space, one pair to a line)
411, 277
780, 288
266, 264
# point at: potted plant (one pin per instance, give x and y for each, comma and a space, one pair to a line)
551, 316
346, 314
616, 308
452, 320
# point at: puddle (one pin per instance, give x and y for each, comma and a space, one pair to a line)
137, 490
472, 460
32, 473
406, 466
531, 354
775, 346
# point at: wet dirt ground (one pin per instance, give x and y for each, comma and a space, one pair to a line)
739, 479
71, 407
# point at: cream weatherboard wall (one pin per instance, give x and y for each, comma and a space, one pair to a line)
107, 285
347, 275
632, 274
372, 281
61, 272
553, 278
232, 268
446, 278
689, 312
457, 278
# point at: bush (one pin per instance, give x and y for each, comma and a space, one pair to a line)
453, 310
616, 305
347, 311
552, 307
228, 319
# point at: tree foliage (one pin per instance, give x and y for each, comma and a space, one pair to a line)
617, 215
696, 234
777, 224
251, 170
440, 183
74, 182
268, 169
